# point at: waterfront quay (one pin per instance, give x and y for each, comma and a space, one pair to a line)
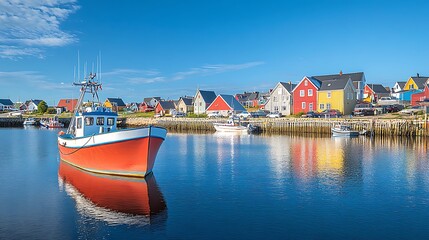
317, 126
373, 126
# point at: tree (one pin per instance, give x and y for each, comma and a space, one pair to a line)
42, 107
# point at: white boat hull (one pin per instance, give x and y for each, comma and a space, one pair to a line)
342, 133
229, 128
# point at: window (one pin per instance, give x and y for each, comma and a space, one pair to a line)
310, 106
276, 108
301, 93
322, 106
89, 121
284, 108
279, 92
305, 83
328, 106
110, 121
100, 120
79, 123
329, 94
274, 99
303, 105
310, 92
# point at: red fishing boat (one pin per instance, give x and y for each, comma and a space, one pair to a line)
113, 199
94, 143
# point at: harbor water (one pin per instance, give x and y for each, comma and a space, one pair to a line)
221, 186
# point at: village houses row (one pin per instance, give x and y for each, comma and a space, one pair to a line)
315, 93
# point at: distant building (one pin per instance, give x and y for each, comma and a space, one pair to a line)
248, 99
32, 105
281, 99
67, 104
151, 101
202, 100
225, 105
421, 97
165, 107
305, 95
116, 104
6, 104
358, 80
373, 92
186, 104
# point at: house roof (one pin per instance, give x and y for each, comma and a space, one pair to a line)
148, 99
167, 104
36, 101
117, 101
336, 84
6, 102
208, 96
232, 102
248, 96
401, 84
289, 86
420, 81
187, 101
355, 77
378, 88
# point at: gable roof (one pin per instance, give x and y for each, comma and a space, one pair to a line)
6, 102
401, 84
288, 86
247, 96
167, 104
187, 101
377, 88
117, 101
35, 101
420, 81
232, 102
355, 77
148, 99
336, 84
208, 96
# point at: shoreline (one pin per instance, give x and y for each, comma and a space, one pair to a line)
297, 126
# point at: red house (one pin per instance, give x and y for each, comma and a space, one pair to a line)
67, 104
225, 104
145, 107
373, 92
305, 95
416, 98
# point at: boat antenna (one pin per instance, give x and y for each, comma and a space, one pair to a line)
78, 66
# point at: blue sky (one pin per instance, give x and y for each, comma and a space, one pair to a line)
170, 48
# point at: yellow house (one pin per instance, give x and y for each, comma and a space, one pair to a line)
339, 94
417, 82
116, 104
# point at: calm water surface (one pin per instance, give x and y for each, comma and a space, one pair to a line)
220, 187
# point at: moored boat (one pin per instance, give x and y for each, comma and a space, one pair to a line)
344, 131
30, 121
51, 123
93, 142
232, 125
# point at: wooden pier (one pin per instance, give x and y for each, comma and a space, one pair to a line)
374, 127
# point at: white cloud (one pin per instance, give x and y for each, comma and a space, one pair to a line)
31, 79
29, 26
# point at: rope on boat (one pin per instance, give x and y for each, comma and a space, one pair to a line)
76, 149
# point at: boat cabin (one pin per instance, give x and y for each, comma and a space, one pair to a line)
94, 121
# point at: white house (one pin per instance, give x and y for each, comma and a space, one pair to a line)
202, 100
398, 87
281, 99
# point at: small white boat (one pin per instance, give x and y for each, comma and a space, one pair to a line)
52, 123
344, 131
232, 125
30, 121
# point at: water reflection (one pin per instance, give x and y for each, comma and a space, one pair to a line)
114, 200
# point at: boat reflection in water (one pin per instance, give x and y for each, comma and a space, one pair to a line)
115, 200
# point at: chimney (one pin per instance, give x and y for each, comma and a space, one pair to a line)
341, 73
418, 75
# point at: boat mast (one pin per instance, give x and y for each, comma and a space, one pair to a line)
89, 85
